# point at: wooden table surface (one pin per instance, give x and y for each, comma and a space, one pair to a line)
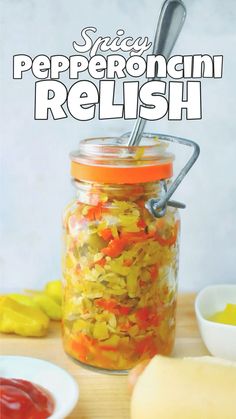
104, 396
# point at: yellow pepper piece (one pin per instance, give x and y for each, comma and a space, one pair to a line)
23, 299
133, 331
112, 341
48, 305
21, 319
100, 331
139, 153
227, 316
80, 325
69, 262
132, 282
54, 290
96, 242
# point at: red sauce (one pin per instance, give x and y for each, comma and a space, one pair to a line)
21, 399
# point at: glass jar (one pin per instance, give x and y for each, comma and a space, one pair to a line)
120, 263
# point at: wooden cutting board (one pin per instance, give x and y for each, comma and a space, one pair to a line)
104, 396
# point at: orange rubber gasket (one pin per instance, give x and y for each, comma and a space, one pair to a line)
121, 175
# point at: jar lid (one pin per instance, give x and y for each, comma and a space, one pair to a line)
109, 160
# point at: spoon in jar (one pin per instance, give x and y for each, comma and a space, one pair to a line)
170, 23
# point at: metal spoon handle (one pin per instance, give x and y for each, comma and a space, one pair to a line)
170, 22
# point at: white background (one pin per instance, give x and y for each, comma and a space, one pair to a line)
35, 180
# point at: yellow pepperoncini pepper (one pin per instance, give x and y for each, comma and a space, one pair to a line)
23, 299
22, 319
48, 305
226, 316
54, 290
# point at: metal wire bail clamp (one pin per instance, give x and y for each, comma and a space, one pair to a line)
157, 206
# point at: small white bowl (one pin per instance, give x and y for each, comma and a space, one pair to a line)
57, 381
219, 338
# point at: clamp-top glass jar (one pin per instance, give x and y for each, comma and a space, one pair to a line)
120, 263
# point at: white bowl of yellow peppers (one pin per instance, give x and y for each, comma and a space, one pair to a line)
215, 308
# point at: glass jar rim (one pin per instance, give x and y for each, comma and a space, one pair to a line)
109, 160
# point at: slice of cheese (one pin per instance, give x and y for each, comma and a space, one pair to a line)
188, 388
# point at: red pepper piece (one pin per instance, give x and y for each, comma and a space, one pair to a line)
112, 306
114, 248
171, 240
146, 346
128, 262
142, 313
95, 212
78, 268
108, 305
106, 234
123, 310
141, 224
137, 190
153, 272
81, 346
86, 345
141, 203
101, 262
126, 326
136, 237
108, 348
146, 317
153, 320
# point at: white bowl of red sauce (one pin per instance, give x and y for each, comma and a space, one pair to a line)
32, 388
